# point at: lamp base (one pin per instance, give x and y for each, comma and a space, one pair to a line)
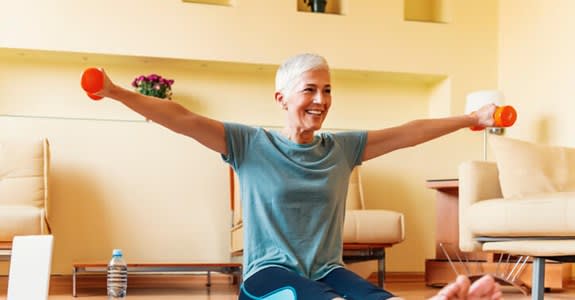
496, 130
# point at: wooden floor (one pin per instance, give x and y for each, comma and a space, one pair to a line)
193, 287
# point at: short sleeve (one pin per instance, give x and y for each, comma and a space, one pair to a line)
352, 144
238, 138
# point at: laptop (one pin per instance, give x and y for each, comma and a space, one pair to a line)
30, 267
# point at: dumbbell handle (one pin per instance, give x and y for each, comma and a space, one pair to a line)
92, 82
503, 116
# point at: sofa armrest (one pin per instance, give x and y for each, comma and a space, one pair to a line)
478, 180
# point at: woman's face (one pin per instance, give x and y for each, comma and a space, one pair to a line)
309, 101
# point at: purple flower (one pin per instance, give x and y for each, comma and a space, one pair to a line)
153, 85
153, 77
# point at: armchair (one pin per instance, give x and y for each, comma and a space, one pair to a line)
24, 166
366, 234
523, 204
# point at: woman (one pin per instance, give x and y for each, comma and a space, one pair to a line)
294, 181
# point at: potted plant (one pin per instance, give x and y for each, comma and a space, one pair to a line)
154, 85
316, 5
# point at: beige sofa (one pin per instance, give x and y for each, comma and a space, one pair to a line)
24, 166
522, 204
366, 233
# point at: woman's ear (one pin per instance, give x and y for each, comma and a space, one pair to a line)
279, 97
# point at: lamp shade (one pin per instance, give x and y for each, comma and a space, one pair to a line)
478, 99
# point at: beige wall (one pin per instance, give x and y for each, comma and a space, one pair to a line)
536, 68
119, 181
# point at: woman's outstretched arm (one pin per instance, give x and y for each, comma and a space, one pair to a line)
413, 133
172, 115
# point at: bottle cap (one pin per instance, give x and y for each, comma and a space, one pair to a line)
117, 252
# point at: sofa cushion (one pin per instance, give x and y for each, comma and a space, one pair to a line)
21, 220
526, 168
538, 215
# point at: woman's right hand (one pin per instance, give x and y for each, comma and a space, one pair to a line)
96, 83
107, 85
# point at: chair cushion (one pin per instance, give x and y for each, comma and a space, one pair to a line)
373, 226
21, 220
538, 215
527, 168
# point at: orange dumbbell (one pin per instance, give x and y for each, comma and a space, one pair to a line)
92, 82
503, 116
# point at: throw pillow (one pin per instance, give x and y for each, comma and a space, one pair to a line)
527, 168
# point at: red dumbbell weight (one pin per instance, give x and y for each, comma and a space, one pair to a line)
503, 116
92, 82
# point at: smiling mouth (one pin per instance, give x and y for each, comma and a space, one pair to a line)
314, 112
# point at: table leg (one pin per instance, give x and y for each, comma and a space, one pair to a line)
74, 271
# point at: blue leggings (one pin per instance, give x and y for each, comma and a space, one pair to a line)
275, 283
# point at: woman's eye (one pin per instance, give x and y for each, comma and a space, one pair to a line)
308, 89
327, 91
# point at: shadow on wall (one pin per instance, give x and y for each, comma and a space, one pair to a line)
78, 212
544, 126
392, 183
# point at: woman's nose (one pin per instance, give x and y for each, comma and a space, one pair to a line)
319, 98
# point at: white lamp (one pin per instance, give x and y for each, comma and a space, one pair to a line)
478, 99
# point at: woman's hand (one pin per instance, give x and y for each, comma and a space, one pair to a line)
96, 83
107, 85
484, 115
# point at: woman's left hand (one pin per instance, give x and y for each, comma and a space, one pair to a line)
485, 115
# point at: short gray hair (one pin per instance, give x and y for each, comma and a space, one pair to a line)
293, 67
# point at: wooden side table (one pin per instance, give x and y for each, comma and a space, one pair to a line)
447, 216
439, 271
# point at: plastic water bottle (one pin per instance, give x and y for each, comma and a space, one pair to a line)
117, 276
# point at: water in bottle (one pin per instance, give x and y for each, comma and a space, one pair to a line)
117, 276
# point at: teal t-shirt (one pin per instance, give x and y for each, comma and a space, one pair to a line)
293, 197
